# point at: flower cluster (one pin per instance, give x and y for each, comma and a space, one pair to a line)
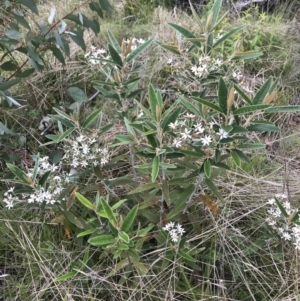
94, 55
190, 131
206, 65
289, 231
85, 152
135, 43
55, 186
175, 231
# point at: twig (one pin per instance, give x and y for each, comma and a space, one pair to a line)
132, 164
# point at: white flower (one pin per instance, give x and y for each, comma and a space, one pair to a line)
199, 129
177, 143
280, 196
103, 161
222, 133
100, 51
286, 236
173, 125
191, 116
169, 226
175, 231
169, 61
297, 245
95, 163
271, 201
140, 41
206, 140
186, 134
140, 114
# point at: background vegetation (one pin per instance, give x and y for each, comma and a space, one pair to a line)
228, 250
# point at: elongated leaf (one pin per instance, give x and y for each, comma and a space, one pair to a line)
185, 32
189, 106
246, 55
262, 92
215, 12
65, 134
281, 208
242, 94
250, 109
133, 54
222, 95
66, 276
283, 109
129, 219
77, 94
170, 48
91, 118
114, 41
86, 232
196, 17
140, 267
124, 236
186, 256
115, 56
213, 188
120, 265
155, 168
263, 128
242, 155
251, 146
208, 104
236, 158
84, 201
30, 4
144, 187
152, 100
21, 175
6, 85
110, 215
207, 168
227, 36
102, 240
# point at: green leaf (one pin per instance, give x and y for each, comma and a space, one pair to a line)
78, 38
30, 4
133, 54
13, 34
105, 5
283, 109
139, 266
263, 128
6, 85
59, 40
144, 187
62, 114
65, 134
152, 100
185, 32
21, 175
170, 48
246, 55
124, 236
262, 92
155, 168
236, 158
110, 215
227, 36
114, 42
66, 276
213, 188
102, 240
189, 106
9, 66
94, 6
89, 120
84, 201
115, 56
44, 177
186, 256
208, 104
21, 20
86, 232
207, 168
129, 219
250, 109
77, 95
58, 54
251, 146
222, 95
242, 155
242, 94
215, 12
